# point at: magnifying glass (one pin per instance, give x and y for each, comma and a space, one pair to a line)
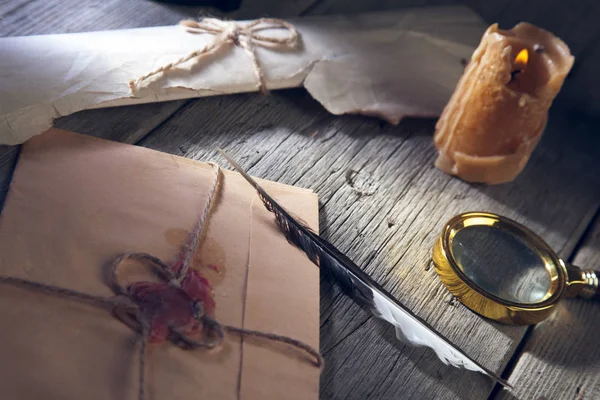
500, 269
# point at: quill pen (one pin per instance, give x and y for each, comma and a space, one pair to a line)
362, 288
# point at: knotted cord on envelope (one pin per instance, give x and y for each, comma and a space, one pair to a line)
244, 35
178, 308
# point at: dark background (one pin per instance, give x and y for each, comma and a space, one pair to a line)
576, 22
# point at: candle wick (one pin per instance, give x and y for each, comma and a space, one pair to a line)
513, 75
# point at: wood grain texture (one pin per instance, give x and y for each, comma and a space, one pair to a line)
8, 8
37, 17
383, 203
271, 8
561, 359
323, 7
8, 160
122, 124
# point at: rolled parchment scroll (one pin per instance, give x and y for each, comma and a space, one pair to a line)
391, 65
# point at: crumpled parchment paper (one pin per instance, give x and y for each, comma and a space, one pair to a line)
391, 65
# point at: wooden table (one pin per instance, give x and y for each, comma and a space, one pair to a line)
382, 202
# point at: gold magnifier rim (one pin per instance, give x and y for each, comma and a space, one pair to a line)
481, 301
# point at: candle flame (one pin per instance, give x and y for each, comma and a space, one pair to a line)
522, 58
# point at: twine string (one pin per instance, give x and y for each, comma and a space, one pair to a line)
142, 363
187, 254
124, 308
245, 35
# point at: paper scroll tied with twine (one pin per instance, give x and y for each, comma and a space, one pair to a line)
245, 35
413, 61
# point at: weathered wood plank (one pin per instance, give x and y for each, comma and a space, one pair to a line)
250, 9
35, 17
38, 17
561, 358
12, 7
390, 227
323, 7
429, 201
122, 124
8, 160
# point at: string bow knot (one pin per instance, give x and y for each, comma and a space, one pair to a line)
245, 35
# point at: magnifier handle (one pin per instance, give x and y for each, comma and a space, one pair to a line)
591, 288
583, 282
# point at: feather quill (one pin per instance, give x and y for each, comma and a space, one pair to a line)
362, 288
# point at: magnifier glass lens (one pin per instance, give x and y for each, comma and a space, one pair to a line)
501, 264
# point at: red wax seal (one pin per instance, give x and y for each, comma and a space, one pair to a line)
168, 307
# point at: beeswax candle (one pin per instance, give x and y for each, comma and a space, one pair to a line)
499, 108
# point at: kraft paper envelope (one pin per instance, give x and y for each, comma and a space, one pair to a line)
77, 202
